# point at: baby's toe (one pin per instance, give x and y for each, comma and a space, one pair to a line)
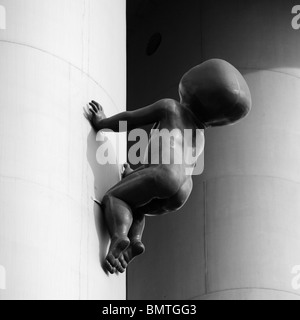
109, 267
120, 267
124, 264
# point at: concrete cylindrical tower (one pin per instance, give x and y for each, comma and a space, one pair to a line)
238, 236
55, 57
251, 181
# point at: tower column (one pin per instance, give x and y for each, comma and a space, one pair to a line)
55, 57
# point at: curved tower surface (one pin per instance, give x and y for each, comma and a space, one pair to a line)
55, 56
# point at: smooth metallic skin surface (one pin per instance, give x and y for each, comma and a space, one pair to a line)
217, 92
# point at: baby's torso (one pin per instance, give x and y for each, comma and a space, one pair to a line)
175, 141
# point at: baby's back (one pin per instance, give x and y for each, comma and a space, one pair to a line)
176, 143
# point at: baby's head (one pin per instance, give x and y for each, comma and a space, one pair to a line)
216, 93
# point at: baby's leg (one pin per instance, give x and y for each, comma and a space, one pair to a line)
154, 208
136, 190
136, 247
119, 219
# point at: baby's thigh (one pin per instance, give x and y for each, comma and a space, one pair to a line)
139, 188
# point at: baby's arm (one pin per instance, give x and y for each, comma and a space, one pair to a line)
135, 119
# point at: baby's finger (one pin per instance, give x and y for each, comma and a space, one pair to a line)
98, 105
92, 110
88, 107
94, 107
85, 112
95, 103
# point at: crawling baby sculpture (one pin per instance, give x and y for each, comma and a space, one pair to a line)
212, 94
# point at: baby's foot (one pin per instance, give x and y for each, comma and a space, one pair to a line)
118, 245
119, 267
135, 249
127, 170
109, 268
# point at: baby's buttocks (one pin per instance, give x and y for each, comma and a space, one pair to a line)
169, 179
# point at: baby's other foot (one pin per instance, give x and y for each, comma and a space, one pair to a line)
135, 249
123, 262
119, 267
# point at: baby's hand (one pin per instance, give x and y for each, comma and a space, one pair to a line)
94, 114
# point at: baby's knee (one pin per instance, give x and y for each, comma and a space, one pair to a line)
106, 200
111, 200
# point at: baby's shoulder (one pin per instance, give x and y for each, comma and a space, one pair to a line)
171, 106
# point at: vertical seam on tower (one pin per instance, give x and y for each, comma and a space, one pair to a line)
205, 236
81, 219
89, 38
88, 219
83, 35
82, 213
